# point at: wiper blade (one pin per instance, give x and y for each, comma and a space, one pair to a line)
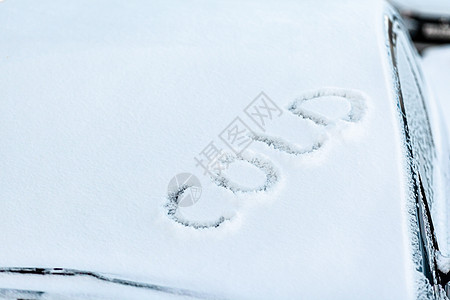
102, 277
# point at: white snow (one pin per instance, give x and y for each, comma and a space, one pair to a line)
104, 102
436, 69
443, 262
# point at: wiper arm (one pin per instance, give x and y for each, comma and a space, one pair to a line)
105, 278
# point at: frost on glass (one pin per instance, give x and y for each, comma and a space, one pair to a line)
421, 147
419, 127
420, 154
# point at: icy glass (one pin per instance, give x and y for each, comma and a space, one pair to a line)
415, 109
420, 154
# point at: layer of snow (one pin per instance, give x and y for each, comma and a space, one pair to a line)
436, 69
443, 262
103, 103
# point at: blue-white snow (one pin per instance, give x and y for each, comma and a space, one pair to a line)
103, 102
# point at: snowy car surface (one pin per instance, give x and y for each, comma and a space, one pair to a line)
227, 150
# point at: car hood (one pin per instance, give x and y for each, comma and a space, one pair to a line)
105, 103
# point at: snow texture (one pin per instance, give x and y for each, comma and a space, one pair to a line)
104, 102
443, 262
436, 68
